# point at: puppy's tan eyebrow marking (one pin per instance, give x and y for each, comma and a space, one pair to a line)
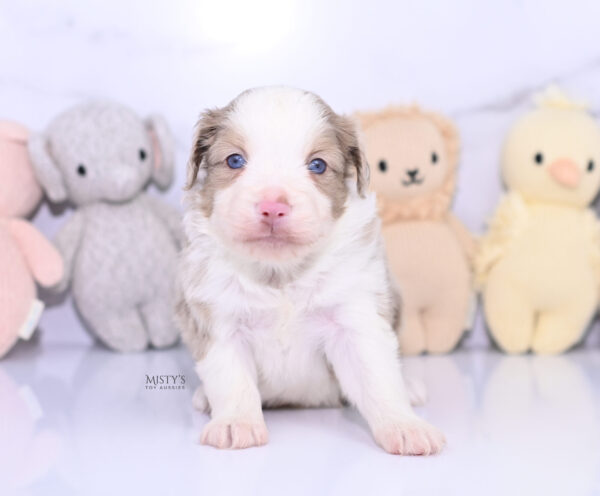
320, 153
228, 141
326, 147
218, 175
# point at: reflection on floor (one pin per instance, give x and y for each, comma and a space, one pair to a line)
83, 421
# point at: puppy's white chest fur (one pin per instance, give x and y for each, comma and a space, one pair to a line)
286, 343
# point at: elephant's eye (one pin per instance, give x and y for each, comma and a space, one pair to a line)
81, 170
142, 154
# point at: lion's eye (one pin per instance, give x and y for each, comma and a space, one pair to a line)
434, 158
382, 165
539, 158
590, 166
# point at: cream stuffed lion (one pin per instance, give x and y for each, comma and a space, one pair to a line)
413, 156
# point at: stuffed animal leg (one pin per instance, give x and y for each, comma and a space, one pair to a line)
30, 258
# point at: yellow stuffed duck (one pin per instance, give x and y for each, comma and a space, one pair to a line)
538, 265
414, 156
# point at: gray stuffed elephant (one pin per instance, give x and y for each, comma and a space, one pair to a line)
120, 245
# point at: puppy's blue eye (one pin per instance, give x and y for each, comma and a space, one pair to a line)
236, 161
317, 166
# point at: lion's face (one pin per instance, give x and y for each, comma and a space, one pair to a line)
408, 156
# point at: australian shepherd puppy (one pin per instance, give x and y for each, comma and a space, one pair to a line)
284, 297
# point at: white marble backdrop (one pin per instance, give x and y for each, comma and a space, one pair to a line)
477, 61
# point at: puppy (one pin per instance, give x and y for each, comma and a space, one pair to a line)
284, 295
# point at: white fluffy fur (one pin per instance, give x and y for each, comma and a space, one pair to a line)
316, 339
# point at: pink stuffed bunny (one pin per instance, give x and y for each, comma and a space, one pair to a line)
25, 255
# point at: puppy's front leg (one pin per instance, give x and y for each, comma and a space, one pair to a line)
229, 377
364, 354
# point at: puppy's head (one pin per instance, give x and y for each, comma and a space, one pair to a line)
273, 170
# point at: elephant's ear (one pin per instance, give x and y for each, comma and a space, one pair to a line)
46, 168
163, 150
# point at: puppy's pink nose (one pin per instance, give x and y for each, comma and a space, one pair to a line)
271, 210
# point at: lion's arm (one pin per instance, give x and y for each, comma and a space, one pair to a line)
508, 221
466, 240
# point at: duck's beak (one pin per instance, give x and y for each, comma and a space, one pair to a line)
565, 172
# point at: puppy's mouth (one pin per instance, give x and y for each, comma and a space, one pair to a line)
273, 237
272, 240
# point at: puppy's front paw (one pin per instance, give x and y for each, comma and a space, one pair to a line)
409, 436
234, 434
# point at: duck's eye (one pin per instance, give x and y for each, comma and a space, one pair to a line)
81, 170
317, 166
142, 154
434, 158
382, 165
539, 158
591, 165
236, 161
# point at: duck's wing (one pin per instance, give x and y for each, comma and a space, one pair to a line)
592, 228
509, 220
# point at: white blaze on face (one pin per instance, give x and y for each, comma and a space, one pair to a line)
279, 132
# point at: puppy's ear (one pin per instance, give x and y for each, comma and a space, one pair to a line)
353, 149
211, 121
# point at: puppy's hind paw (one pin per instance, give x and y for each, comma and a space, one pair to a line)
234, 434
409, 436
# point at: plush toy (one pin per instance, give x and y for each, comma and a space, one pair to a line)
539, 263
413, 156
120, 245
25, 255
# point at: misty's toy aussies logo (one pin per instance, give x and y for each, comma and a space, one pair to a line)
165, 381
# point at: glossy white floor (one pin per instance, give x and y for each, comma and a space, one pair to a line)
79, 420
